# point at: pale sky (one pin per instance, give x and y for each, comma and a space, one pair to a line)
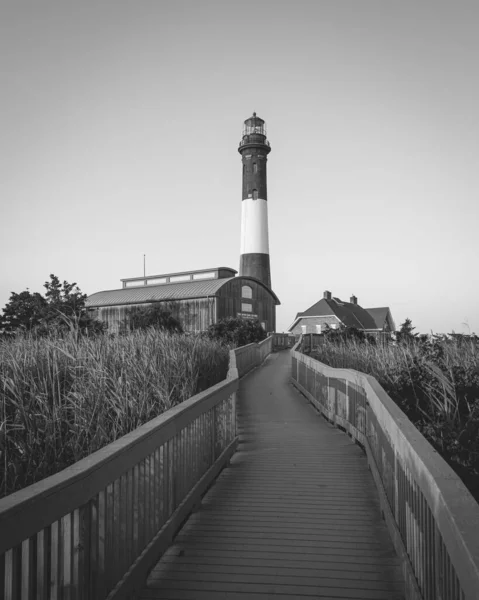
120, 122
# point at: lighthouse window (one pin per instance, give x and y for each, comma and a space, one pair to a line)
255, 168
246, 292
246, 307
255, 194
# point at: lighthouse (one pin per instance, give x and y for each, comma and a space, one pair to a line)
254, 149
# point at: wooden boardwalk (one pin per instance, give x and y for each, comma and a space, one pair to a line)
296, 515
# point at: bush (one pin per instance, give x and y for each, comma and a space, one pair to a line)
153, 316
237, 332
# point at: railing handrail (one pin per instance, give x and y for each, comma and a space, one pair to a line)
454, 509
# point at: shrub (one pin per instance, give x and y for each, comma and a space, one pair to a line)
237, 332
153, 316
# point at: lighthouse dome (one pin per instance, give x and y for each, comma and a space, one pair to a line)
254, 125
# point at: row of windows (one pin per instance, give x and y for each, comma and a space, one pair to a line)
319, 327
255, 168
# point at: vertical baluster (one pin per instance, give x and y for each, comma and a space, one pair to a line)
129, 554
77, 554
152, 489
146, 501
91, 581
162, 484
136, 510
188, 441
171, 475
54, 562
427, 551
181, 466
110, 540
407, 500
13, 573
102, 565
65, 556
28, 568
43, 563
158, 508
123, 541
85, 559
141, 507
415, 532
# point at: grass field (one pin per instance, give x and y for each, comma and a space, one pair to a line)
62, 398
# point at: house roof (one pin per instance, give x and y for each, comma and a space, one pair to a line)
379, 315
351, 315
165, 291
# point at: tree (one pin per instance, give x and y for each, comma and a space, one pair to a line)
61, 309
155, 316
237, 332
406, 332
23, 312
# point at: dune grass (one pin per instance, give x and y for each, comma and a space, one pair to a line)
64, 397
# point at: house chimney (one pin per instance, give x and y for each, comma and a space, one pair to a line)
353, 300
327, 295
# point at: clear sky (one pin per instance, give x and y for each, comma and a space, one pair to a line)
120, 122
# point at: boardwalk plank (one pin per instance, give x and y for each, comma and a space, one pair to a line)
295, 516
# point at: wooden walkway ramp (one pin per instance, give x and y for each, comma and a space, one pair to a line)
296, 515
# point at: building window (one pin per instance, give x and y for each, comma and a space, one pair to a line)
255, 168
303, 329
334, 325
134, 283
263, 325
318, 328
246, 307
246, 291
255, 194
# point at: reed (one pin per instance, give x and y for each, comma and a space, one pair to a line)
64, 397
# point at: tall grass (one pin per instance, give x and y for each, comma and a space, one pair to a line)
64, 397
436, 383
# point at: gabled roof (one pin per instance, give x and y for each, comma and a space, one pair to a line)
380, 316
162, 292
351, 315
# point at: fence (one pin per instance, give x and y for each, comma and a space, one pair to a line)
432, 517
282, 341
247, 357
94, 530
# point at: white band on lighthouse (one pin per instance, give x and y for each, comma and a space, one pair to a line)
254, 227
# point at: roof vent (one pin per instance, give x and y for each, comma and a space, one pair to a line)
327, 295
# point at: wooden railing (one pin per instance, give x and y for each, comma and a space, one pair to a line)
432, 517
94, 530
282, 341
247, 357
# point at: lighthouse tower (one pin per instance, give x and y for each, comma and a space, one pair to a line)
254, 149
